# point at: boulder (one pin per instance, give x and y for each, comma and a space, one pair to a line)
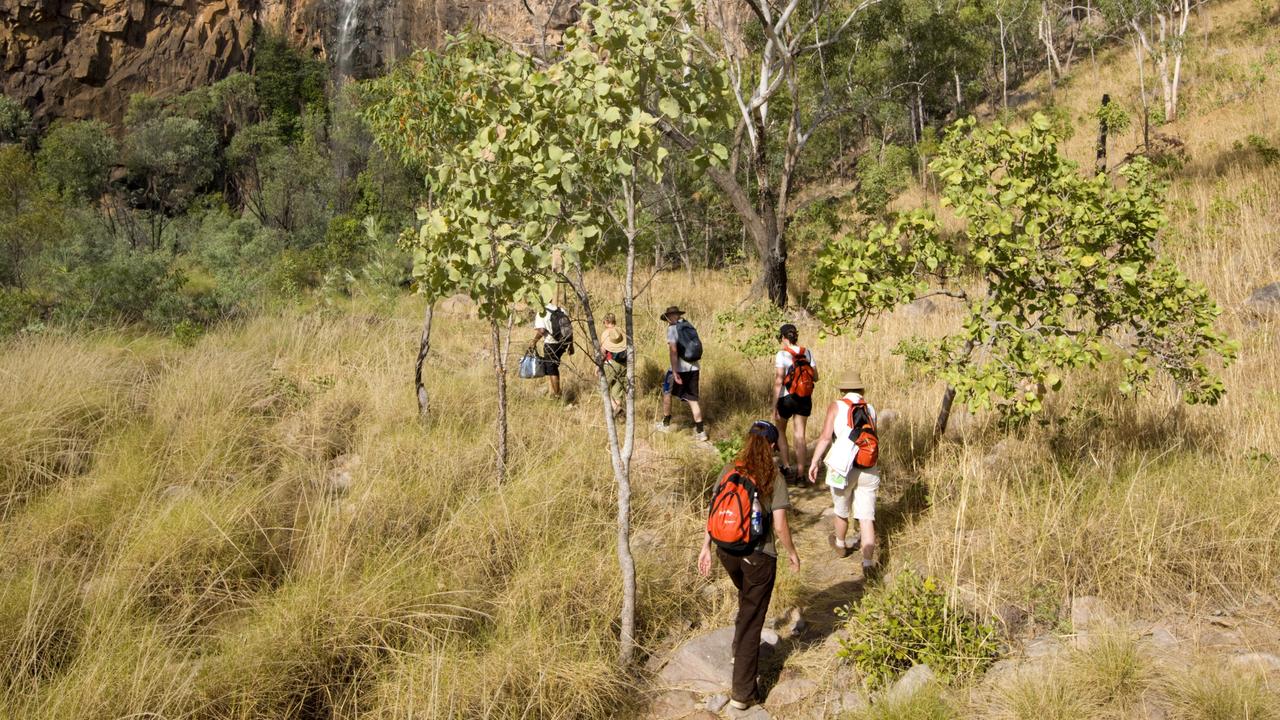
673, 705
702, 664
458, 306
1255, 662
1088, 613
920, 307
1265, 300
911, 682
1043, 647
788, 692
788, 623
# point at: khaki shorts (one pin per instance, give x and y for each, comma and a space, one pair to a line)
858, 494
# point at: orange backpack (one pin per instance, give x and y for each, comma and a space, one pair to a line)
729, 522
800, 376
862, 431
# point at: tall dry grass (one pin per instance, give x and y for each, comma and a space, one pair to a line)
259, 526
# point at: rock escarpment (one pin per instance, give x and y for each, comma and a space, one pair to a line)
84, 58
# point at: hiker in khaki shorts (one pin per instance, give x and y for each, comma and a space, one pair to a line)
853, 473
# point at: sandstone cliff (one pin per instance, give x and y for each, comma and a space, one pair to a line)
84, 58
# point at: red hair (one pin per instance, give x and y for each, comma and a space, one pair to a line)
756, 460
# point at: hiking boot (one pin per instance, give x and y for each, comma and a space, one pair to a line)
661, 427
870, 572
841, 552
700, 436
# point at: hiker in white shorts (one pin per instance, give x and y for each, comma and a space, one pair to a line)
853, 488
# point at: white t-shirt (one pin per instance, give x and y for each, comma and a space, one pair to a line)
673, 337
783, 361
840, 456
543, 323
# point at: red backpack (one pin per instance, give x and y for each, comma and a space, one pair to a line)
862, 431
800, 376
729, 522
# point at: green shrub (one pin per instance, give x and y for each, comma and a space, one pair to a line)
910, 623
15, 121
76, 158
762, 320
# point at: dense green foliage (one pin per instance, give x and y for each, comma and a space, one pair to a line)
525, 159
206, 205
1058, 271
911, 622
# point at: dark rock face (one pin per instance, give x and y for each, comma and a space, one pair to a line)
84, 58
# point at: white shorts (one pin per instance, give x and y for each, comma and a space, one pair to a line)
860, 492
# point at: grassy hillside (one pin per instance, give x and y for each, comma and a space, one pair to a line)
259, 526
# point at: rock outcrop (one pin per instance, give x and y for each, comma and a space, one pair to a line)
84, 58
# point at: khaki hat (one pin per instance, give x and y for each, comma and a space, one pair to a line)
852, 381
673, 310
613, 341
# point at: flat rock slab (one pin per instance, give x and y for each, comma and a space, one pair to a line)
673, 705
790, 691
702, 664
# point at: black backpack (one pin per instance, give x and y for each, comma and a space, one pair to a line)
688, 344
561, 327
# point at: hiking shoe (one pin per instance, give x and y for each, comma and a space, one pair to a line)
700, 436
660, 427
870, 572
841, 552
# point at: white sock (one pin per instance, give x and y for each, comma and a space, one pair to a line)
839, 542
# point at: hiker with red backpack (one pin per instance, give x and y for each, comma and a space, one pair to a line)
747, 518
793, 381
850, 449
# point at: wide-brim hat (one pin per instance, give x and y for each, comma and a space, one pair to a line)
673, 310
613, 340
852, 381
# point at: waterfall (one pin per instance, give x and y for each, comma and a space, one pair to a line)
348, 22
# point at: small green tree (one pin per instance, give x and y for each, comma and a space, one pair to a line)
170, 161
1058, 271
76, 158
15, 121
527, 162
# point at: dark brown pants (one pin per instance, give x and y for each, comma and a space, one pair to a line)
753, 575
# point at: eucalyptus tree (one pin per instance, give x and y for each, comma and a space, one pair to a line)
767, 80
1157, 29
1057, 272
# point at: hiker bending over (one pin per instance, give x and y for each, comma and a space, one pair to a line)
685, 349
848, 446
555, 330
613, 349
793, 380
748, 512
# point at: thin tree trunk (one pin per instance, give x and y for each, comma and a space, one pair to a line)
1004, 67
944, 413
424, 346
619, 452
500, 373
1102, 136
622, 456
948, 397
